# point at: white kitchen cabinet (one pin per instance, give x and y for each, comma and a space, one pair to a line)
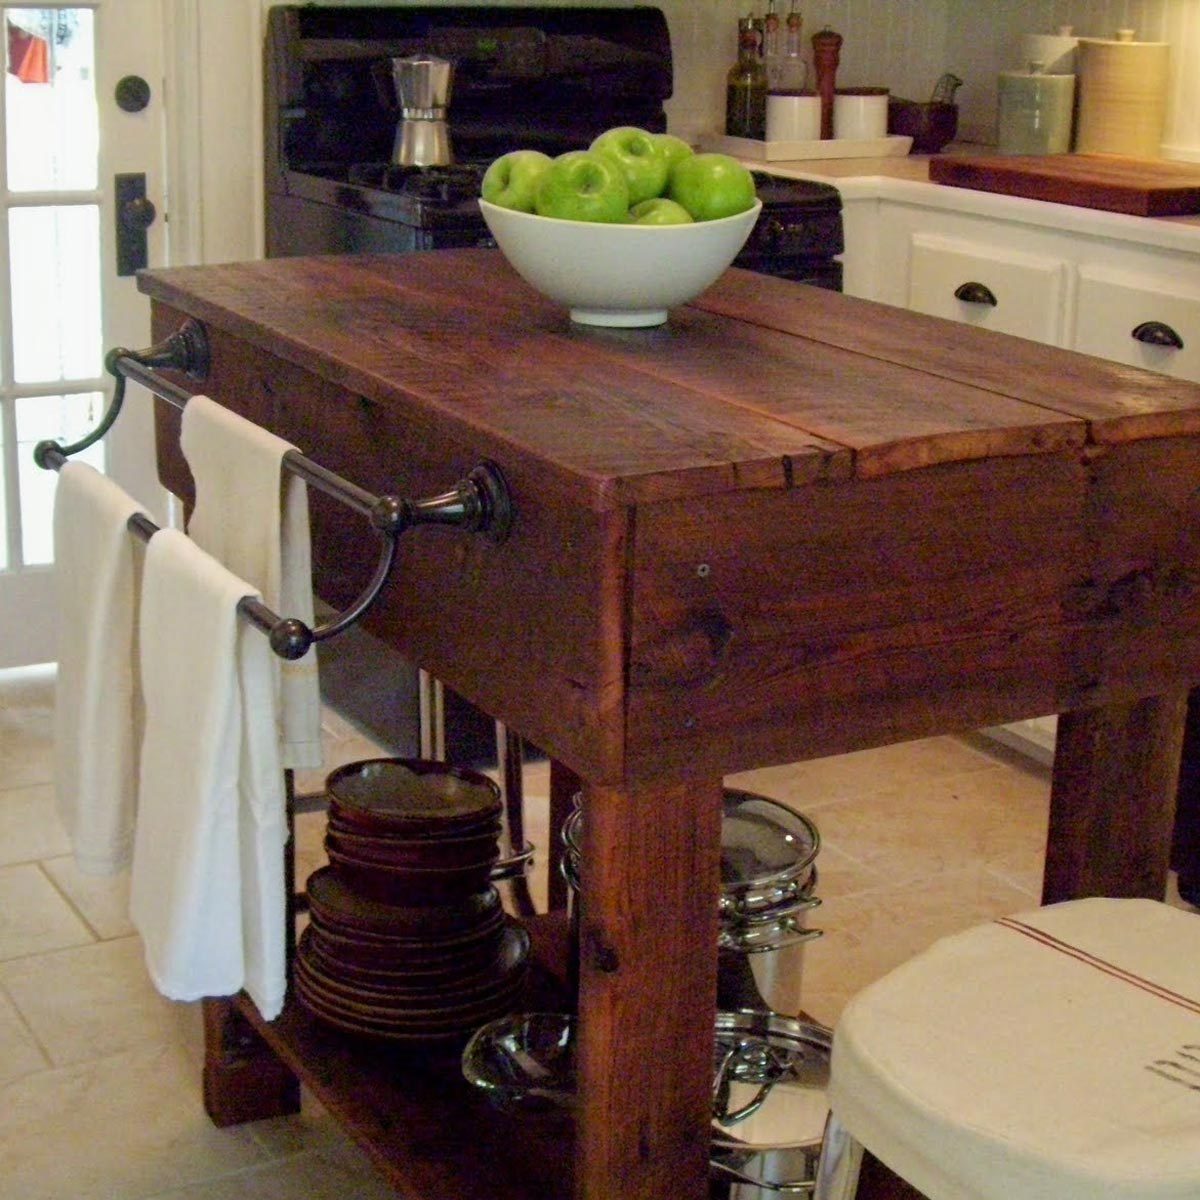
993, 286
1065, 276
1139, 317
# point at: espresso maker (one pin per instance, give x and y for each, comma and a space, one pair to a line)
423, 84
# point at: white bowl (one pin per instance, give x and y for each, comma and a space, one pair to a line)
626, 275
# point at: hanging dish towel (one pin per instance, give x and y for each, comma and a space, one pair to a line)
208, 870
96, 713
252, 516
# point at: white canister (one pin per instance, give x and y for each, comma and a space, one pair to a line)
1055, 51
1034, 112
793, 117
1122, 96
860, 114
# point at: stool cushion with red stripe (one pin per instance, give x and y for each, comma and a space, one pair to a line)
1053, 1055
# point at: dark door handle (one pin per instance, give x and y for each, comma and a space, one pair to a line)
1156, 333
139, 214
975, 293
135, 213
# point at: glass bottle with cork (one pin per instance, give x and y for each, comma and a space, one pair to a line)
772, 49
746, 86
793, 68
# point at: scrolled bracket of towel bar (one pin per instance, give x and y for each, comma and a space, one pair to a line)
478, 503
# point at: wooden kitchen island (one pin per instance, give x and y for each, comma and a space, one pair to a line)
786, 524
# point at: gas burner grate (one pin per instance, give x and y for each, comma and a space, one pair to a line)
443, 185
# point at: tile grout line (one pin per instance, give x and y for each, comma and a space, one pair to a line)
23, 1021
97, 937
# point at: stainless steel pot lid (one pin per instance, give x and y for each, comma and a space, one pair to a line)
763, 842
770, 1082
768, 851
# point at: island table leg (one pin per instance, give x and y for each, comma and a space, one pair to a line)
648, 954
1112, 800
244, 1080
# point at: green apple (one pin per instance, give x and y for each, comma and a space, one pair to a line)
582, 186
673, 148
711, 186
511, 181
639, 156
658, 210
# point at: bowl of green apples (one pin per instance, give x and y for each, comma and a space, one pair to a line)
624, 230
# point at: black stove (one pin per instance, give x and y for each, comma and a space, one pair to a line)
543, 78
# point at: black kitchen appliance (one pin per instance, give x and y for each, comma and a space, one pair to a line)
540, 77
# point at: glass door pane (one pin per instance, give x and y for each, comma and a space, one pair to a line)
51, 350
51, 120
55, 273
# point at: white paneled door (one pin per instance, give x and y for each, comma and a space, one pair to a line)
82, 103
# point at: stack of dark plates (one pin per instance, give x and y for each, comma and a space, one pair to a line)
407, 938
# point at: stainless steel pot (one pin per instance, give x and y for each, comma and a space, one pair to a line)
769, 1094
768, 881
423, 86
769, 1104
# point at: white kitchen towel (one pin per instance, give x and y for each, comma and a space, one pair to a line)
208, 869
96, 697
252, 516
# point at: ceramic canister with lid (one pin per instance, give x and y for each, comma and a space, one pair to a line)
1122, 96
1055, 51
1035, 112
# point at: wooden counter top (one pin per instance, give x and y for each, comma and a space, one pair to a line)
798, 386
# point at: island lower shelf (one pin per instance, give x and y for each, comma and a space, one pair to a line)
430, 1133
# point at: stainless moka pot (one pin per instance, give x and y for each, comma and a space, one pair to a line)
423, 92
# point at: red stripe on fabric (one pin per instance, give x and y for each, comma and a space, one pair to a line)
1100, 964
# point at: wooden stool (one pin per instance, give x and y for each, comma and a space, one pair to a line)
1053, 1055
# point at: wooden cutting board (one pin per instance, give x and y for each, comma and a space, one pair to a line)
1142, 187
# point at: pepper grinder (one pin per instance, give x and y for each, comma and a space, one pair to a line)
827, 48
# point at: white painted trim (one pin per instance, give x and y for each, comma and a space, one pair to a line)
185, 131
258, 26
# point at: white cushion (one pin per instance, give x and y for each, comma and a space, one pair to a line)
1020, 1060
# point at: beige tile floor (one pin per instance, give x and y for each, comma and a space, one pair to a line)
99, 1076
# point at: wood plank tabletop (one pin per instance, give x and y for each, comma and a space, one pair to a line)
759, 383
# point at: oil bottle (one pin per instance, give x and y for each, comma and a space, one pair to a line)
746, 87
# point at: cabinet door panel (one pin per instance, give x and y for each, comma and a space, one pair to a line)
1113, 304
1028, 290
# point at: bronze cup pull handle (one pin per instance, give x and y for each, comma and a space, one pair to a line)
975, 293
1157, 333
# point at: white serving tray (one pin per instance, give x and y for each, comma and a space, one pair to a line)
894, 145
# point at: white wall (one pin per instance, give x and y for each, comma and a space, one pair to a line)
905, 45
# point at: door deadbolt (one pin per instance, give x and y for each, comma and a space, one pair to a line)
132, 93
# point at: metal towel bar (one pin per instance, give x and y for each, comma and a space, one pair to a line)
478, 503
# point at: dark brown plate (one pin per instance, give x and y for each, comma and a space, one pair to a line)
397, 885
413, 1036
430, 945
413, 990
424, 1015
450, 960
367, 965
419, 796
419, 852
330, 896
